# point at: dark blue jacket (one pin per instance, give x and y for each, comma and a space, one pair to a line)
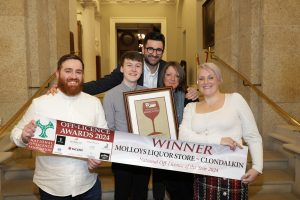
113, 79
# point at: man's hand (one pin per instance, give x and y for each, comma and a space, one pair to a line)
192, 94
52, 90
28, 131
250, 176
93, 163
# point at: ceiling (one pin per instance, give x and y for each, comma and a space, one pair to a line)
137, 1
135, 26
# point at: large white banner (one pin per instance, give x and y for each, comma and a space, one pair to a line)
70, 139
207, 159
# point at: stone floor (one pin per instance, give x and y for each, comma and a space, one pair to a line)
273, 191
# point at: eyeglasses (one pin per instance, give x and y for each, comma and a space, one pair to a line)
151, 50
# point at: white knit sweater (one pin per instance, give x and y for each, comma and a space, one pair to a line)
234, 119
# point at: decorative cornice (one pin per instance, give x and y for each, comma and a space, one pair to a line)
138, 2
88, 3
92, 4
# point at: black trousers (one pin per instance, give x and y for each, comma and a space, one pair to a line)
131, 181
179, 185
92, 194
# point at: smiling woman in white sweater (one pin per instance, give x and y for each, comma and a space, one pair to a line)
223, 119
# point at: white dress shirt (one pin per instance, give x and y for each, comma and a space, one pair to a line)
60, 175
150, 79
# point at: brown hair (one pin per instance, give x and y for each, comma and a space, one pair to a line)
182, 84
68, 57
132, 55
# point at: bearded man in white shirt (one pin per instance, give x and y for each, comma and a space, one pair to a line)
61, 177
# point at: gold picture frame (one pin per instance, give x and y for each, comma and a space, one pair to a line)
151, 112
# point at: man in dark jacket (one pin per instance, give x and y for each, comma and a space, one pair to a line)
153, 49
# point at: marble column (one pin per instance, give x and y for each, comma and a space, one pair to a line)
88, 39
97, 33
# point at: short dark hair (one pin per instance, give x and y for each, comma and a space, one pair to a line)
154, 36
132, 55
68, 57
182, 84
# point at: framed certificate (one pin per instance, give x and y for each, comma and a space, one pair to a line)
151, 112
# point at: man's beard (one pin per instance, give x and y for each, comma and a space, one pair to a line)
70, 90
151, 64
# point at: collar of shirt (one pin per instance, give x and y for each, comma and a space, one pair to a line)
128, 88
150, 79
59, 92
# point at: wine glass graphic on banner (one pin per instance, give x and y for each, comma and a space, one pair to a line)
151, 110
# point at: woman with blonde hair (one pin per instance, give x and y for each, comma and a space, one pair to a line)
226, 119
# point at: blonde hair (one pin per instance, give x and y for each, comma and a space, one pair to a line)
214, 68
